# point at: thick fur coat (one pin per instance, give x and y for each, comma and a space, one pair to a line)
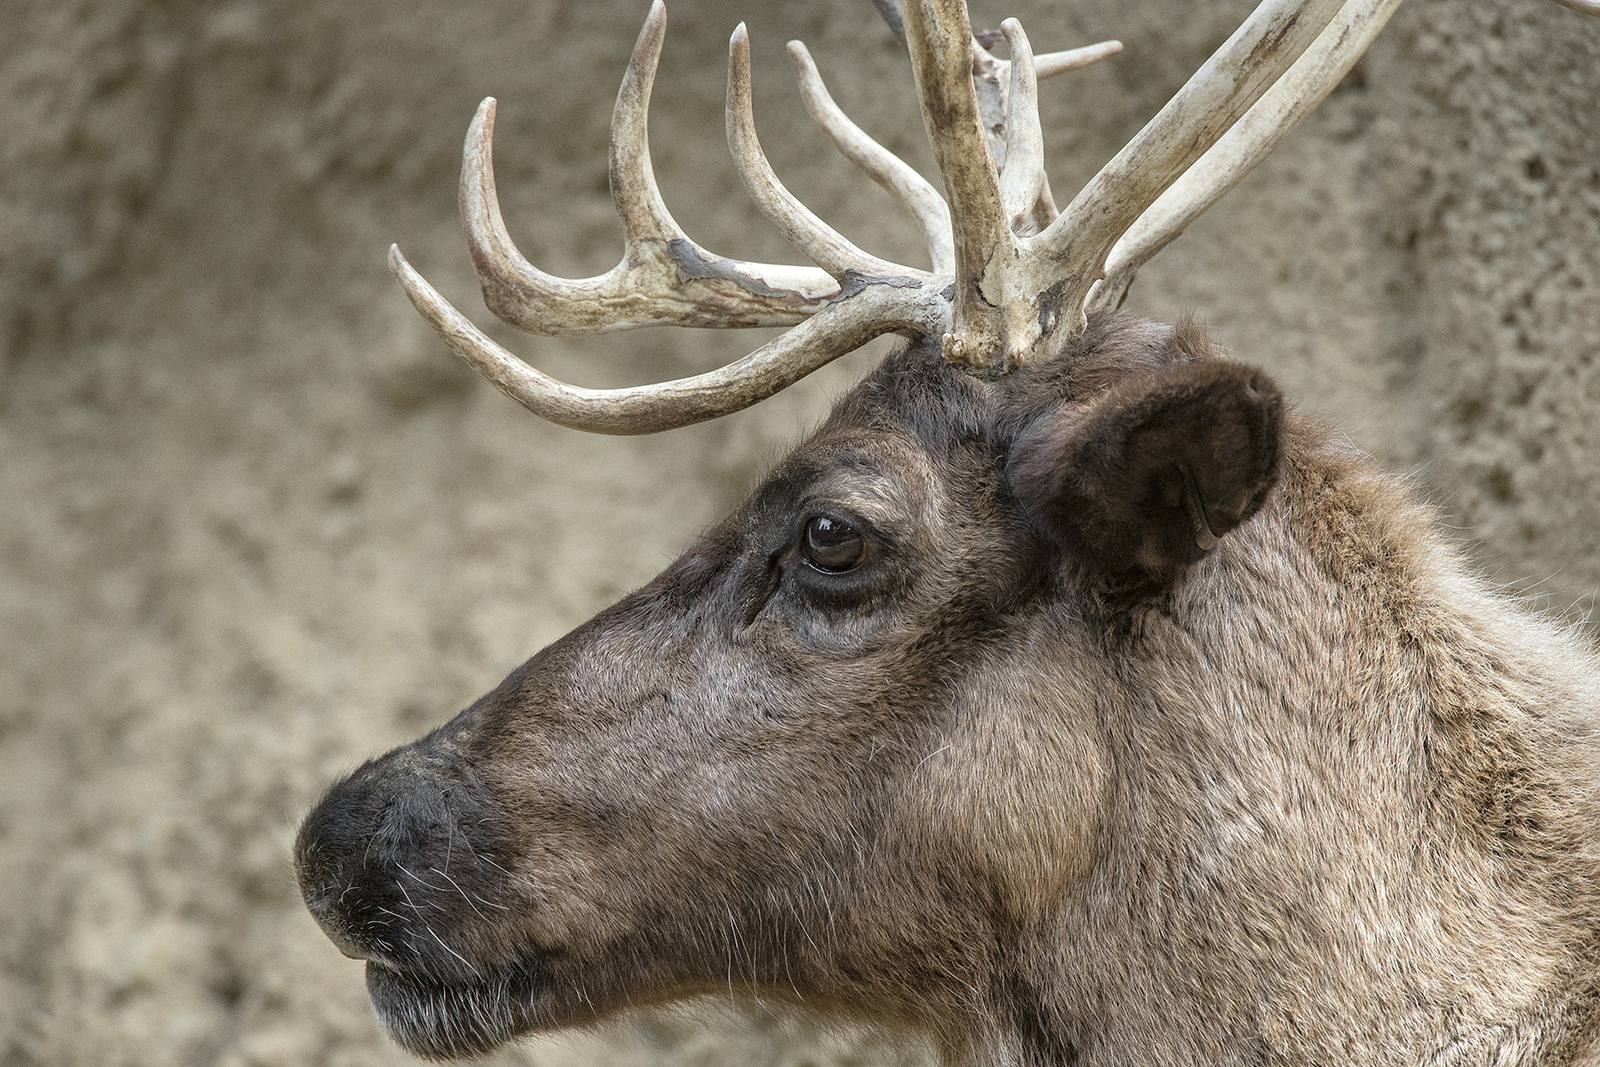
1107, 713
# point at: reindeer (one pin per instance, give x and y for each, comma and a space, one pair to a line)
1067, 695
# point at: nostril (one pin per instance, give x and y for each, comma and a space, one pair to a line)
323, 903
345, 942
324, 890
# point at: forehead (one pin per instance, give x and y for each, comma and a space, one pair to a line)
916, 424
917, 393
914, 397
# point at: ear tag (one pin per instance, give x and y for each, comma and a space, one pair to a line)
1198, 526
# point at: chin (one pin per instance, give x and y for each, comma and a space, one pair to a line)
440, 1019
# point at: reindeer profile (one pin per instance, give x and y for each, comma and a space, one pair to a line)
1067, 695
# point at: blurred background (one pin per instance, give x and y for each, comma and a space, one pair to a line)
256, 524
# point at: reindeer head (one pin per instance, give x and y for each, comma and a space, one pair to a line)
842, 748
853, 747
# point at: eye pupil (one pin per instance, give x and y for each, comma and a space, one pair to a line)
831, 545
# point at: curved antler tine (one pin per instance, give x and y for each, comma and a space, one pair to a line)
821, 243
1282, 108
1587, 7
1023, 175
514, 289
1075, 246
841, 328
1044, 208
897, 178
633, 181
1049, 64
939, 39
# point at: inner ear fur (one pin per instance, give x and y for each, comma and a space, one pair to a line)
1139, 482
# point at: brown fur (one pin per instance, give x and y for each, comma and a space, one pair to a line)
1313, 796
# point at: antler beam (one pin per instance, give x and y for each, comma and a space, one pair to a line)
840, 328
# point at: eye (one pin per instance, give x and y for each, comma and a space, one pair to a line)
832, 546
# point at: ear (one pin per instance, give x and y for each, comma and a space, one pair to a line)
1142, 481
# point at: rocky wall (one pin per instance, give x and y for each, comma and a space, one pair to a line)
256, 524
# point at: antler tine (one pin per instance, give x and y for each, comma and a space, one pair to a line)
1050, 64
663, 278
1022, 177
1236, 153
991, 81
897, 178
1073, 249
634, 192
820, 243
841, 328
939, 39
992, 78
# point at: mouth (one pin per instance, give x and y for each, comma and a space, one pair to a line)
442, 1019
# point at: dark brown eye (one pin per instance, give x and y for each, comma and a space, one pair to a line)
832, 546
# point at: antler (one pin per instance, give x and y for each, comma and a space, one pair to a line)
1011, 276
664, 278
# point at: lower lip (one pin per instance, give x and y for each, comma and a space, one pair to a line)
439, 1019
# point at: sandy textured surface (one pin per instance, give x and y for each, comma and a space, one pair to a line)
255, 524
